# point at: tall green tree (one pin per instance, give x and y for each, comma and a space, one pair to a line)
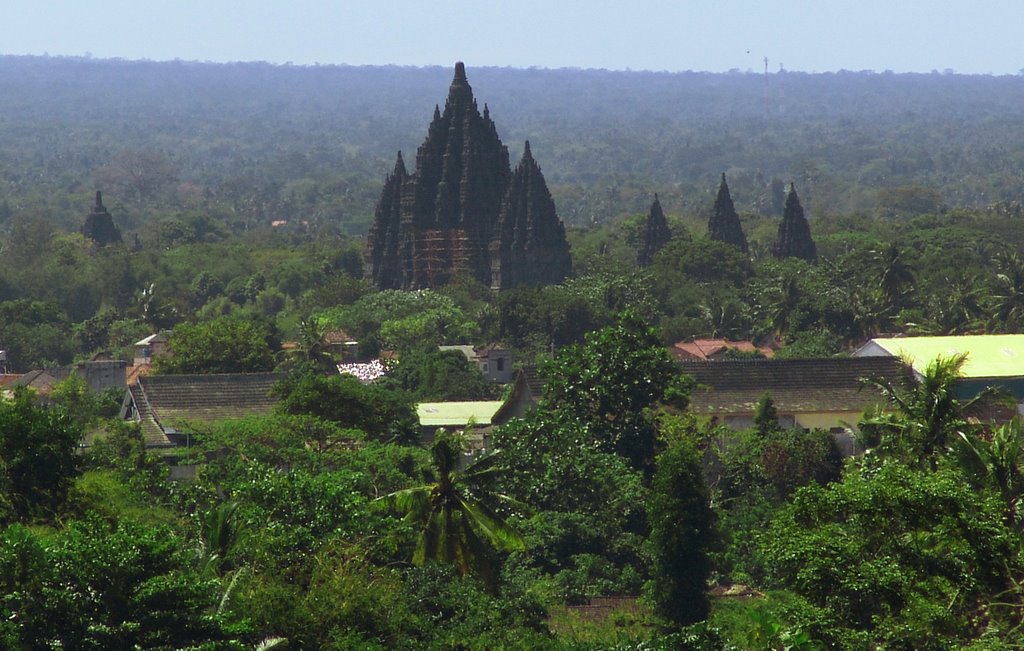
608, 385
682, 536
100, 586
38, 458
379, 412
223, 345
896, 557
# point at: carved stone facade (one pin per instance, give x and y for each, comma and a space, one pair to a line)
530, 249
463, 212
724, 224
794, 239
99, 224
656, 235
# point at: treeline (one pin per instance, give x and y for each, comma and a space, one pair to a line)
62, 298
262, 143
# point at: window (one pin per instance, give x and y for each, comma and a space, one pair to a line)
501, 364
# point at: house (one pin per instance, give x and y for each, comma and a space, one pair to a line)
480, 415
527, 389
705, 349
992, 360
102, 372
40, 380
341, 345
168, 407
494, 362
827, 394
149, 348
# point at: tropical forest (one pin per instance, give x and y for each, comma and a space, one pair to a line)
586, 222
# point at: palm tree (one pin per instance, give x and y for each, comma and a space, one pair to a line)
956, 310
778, 303
313, 347
1009, 297
456, 514
220, 529
926, 413
998, 460
892, 272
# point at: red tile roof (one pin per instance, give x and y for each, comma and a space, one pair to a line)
710, 348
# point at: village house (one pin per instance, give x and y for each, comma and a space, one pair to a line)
991, 360
169, 407
827, 394
707, 349
477, 418
494, 362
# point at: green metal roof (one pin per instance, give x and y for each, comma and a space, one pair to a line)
441, 414
987, 355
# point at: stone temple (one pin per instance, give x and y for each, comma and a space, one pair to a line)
99, 224
463, 211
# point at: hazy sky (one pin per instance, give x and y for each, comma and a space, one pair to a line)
979, 36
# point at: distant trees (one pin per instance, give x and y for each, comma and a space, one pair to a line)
142, 175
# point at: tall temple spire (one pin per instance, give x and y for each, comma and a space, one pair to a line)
384, 237
656, 234
99, 224
531, 249
448, 208
724, 224
794, 238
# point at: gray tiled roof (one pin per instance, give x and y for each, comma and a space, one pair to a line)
795, 385
164, 401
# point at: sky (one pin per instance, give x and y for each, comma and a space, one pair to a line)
979, 36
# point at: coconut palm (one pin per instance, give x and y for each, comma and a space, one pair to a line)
926, 414
893, 275
956, 310
312, 347
220, 529
1008, 312
457, 514
998, 459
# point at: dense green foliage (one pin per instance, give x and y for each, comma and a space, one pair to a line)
682, 536
221, 345
37, 458
910, 183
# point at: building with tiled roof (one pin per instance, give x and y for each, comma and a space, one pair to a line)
167, 406
704, 349
824, 394
494, 361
